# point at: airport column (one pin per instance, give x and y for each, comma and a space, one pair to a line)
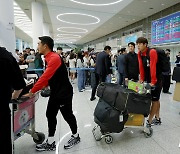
46, 29
7, 32
37, 22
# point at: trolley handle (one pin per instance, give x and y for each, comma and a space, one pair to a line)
15, 101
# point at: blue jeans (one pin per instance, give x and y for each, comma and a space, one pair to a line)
108, 79
81, 79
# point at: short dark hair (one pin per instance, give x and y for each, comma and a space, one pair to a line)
27, 47
32, 50
131, 43
142, 40
59, 48
107, 48
123, 49
48, 41
168, 50
119, 51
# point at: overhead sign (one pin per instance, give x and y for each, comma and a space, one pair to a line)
166, 30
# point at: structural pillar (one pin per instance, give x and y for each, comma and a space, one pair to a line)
7, 30
37, 22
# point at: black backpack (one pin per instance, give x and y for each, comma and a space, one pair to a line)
163, 61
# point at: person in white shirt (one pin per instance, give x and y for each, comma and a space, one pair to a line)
80, 73
72, 64
17, 56
86, 64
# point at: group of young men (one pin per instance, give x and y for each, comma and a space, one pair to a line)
140, 67
61, 95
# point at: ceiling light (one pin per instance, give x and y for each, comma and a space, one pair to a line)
20, 15
18, 11
63, 14
21, 20
61, 29
16, 8
93, 4
68, 36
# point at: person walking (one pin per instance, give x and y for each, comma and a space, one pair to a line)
60, 99
150, 73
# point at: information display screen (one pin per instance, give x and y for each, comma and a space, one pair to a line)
166, 30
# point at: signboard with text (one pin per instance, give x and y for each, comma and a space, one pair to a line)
166, 30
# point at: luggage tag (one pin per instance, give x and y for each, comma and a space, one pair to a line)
120, 118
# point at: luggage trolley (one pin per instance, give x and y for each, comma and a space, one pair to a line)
148, 132
134, 121
24, 118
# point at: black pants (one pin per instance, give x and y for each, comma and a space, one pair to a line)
5, 130
121, 79
66, 111
166, 83
98, 79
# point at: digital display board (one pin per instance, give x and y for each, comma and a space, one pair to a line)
166, 30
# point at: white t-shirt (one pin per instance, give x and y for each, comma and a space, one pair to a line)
72, 63
79, 63
92, 62
86, 61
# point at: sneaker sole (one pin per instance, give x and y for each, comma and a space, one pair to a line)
72, 146
45, 149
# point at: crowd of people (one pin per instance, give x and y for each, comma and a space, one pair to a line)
91, 68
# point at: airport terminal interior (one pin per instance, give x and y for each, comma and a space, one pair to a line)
87, 27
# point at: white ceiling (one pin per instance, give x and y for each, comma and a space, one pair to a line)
112, 17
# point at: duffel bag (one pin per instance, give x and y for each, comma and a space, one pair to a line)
113, 94
138, 103
108, 118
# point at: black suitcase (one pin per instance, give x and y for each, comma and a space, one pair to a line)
109, 118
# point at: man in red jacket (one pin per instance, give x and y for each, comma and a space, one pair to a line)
150, 73
60, 99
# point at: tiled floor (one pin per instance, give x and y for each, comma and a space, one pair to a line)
165, 140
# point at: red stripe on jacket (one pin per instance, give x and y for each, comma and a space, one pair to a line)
53, 63
153, 61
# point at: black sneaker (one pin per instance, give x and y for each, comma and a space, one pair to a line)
148, 125
156, 121
46, 146
72, 142
91, 99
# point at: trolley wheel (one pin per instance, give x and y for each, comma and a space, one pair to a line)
41, 138
108, 139
147, 135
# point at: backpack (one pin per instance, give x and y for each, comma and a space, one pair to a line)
163, 61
